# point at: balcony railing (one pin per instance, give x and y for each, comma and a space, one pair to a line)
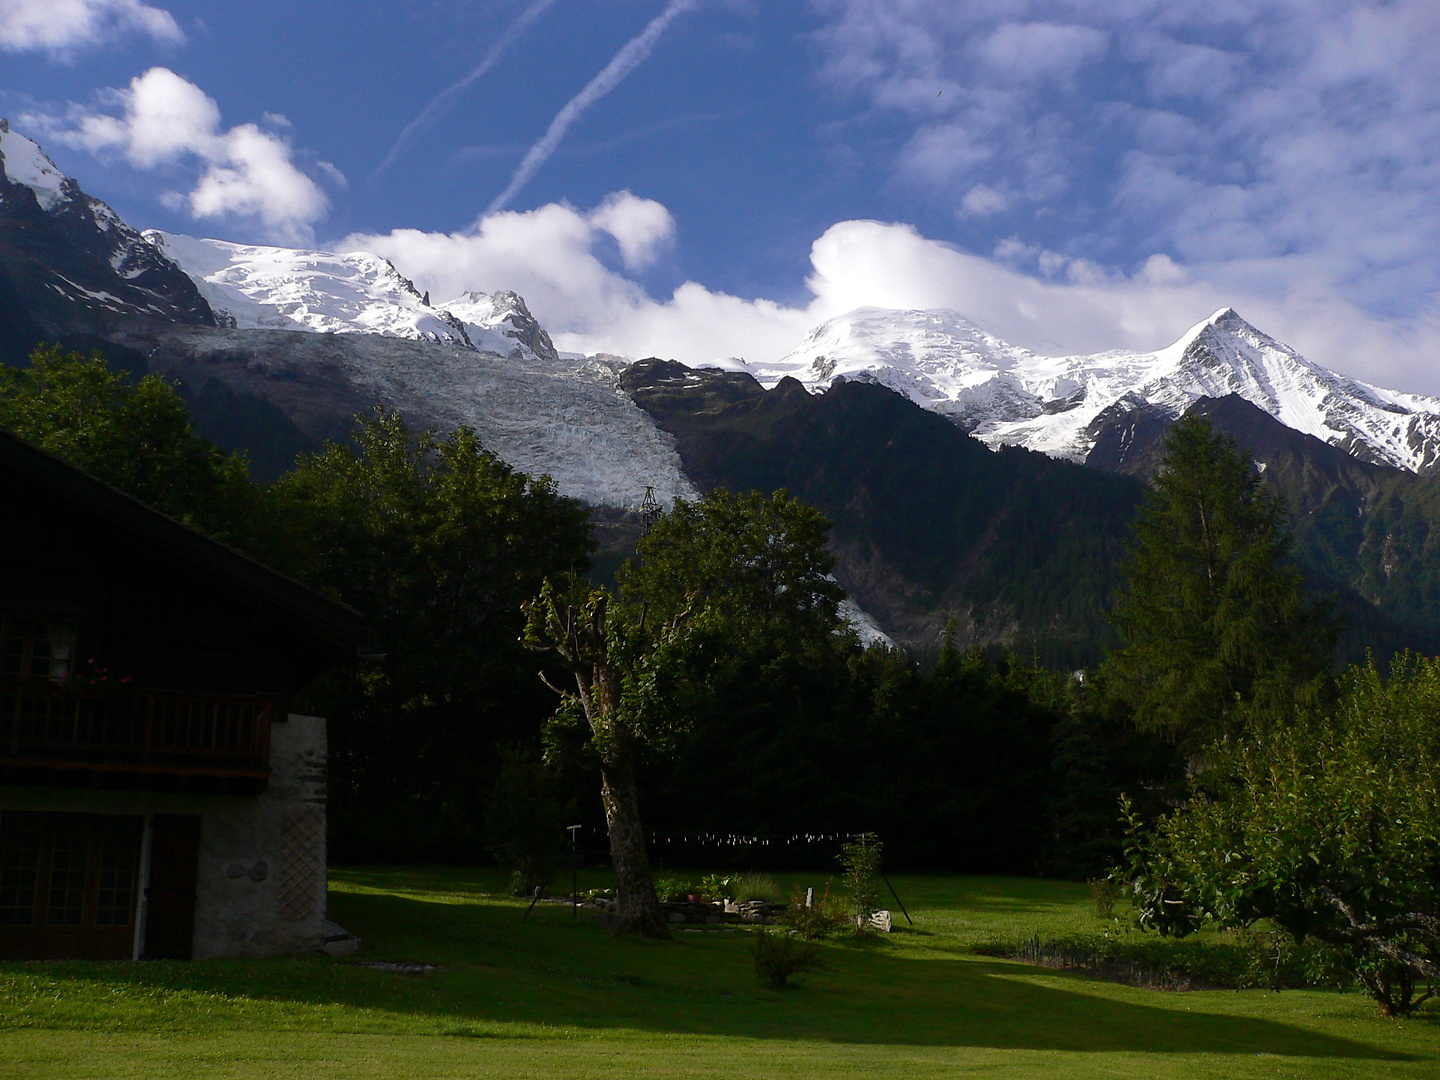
154, 731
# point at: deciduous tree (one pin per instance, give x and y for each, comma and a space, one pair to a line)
439, 543
1328, 827
134, 435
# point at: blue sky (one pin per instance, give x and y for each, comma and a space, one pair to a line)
720, 175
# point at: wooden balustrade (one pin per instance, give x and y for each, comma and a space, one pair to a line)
150, 730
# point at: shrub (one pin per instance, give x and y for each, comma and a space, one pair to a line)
753, 886
824, 917
1245, 960
1103, 893
716, 887
861, 859
674, 891
1323, 826
780, 955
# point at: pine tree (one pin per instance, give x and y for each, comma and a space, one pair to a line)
1219, 634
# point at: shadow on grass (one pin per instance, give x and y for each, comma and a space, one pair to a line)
555, 970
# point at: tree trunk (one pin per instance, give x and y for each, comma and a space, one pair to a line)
638, 906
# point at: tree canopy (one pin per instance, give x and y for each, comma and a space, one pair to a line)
760, 559
439, 543
134, 435
1328, 826
1216, 625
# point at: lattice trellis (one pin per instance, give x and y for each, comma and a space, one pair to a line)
302, 861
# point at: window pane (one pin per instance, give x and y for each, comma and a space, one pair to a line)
61, 650
66, 905
36, 649
119, 871
19, 868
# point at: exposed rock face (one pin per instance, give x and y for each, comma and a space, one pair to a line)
68, 264
504, 314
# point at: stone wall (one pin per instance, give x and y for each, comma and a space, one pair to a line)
260, 888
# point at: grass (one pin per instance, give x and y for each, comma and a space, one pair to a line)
552, 995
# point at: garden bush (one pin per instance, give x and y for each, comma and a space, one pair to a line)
822, 918
780, 955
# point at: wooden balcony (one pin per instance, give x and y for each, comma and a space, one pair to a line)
122, 731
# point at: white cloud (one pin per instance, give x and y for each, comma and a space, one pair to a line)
643, 228
1042, 51
981, 200
62, 26
549, 255
1283, 148
245, 171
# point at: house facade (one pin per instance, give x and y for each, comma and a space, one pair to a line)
158, 798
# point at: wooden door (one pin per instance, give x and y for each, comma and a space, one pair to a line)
68, 885
170, 895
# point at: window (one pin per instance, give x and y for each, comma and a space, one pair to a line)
36, 648
68, 884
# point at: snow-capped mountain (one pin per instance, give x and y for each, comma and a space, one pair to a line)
316, 335
254, 287
1006, 395
72, 262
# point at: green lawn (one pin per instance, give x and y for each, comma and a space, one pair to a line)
557, 996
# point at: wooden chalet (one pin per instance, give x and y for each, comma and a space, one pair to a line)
157, 796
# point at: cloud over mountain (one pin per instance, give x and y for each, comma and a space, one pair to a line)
555, 257
244, 171
1273, 149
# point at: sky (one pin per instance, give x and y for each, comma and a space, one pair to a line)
710, 178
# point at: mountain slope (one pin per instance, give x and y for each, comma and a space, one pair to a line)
69, 266
1016, 549
299, 342
1008, 396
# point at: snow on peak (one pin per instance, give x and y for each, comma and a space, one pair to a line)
1006, 395
937, 358
23, 162
501, 323
274, 288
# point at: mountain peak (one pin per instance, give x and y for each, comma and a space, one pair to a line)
23, 162
111, 275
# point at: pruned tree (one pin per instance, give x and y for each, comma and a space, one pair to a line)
720, 577
620, 667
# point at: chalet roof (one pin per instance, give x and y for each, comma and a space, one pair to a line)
328, 623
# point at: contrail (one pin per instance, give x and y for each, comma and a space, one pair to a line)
631, 55
442, 101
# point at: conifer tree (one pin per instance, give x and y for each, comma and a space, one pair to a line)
1218, 632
